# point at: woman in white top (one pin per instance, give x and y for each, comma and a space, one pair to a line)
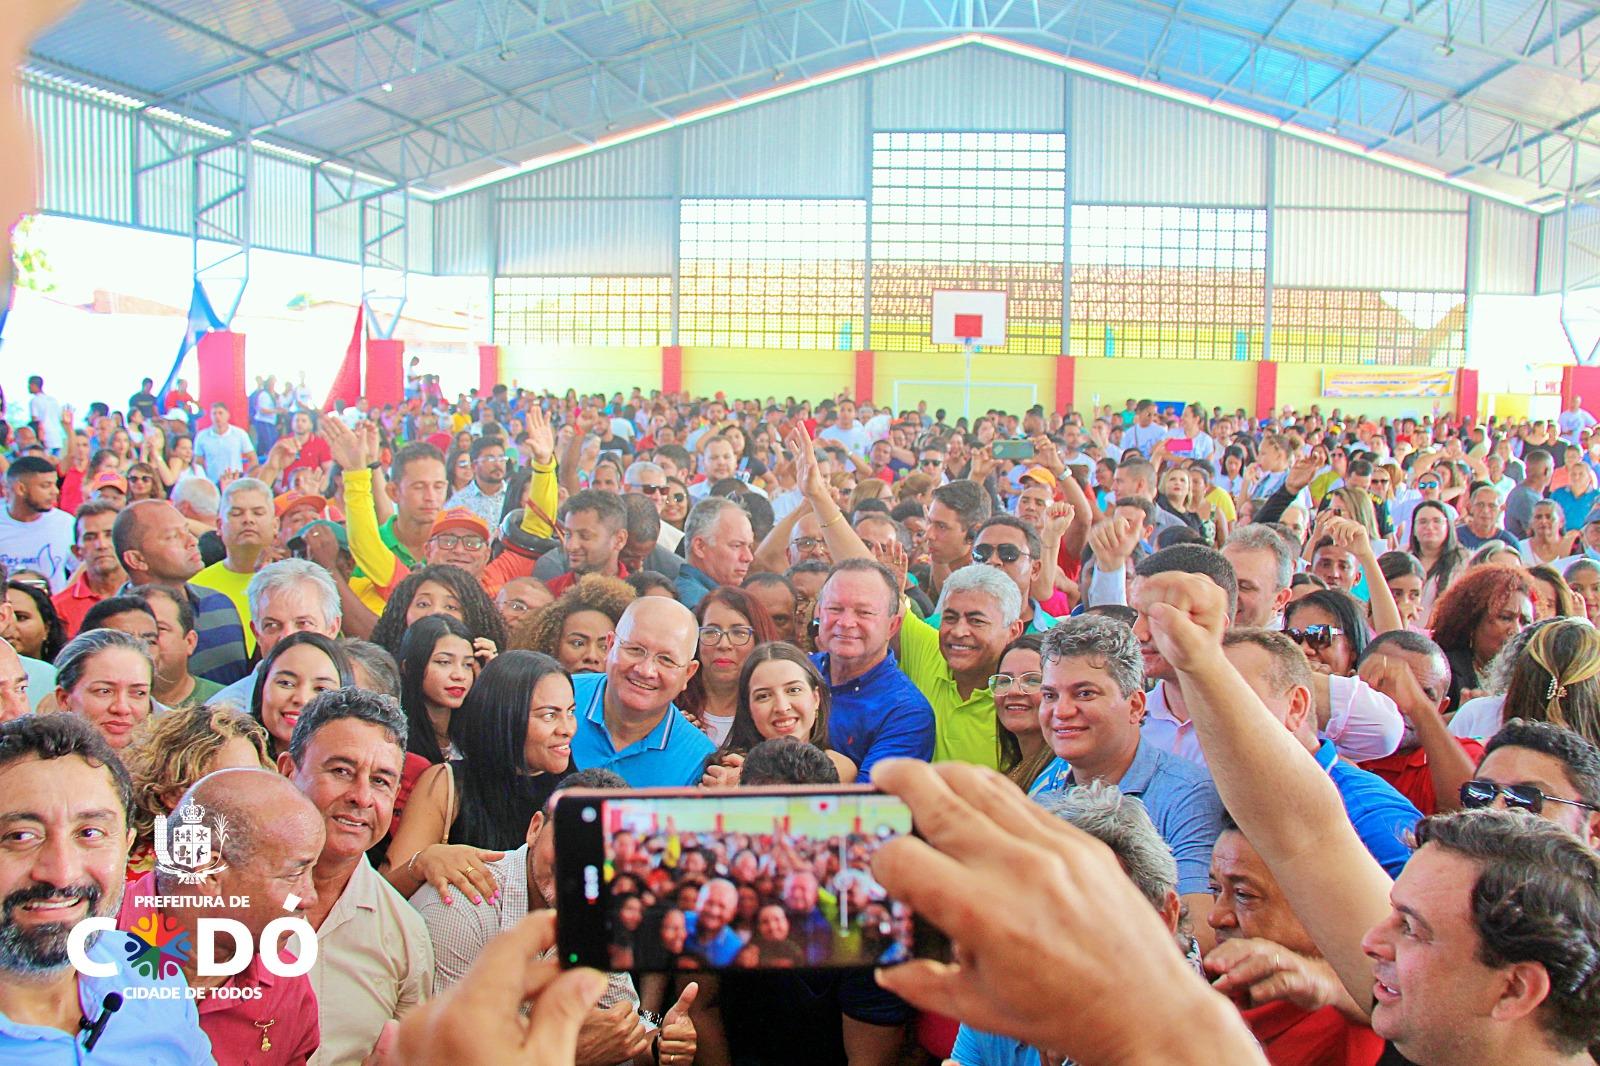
1545, 542
1433, 542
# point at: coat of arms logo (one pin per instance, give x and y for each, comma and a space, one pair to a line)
192, 849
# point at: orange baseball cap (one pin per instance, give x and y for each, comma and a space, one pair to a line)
461, 520
109, 479
285, 502
1043, 475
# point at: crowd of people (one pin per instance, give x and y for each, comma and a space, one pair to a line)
1324, 688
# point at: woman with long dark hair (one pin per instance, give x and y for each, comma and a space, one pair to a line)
781, 694
513, 738
441, 589
40, 633
437, 671
1404, 576
1016, 687
1433, 541
299, 667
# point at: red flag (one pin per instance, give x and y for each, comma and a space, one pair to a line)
347, 383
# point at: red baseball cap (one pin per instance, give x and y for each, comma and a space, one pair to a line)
288, 501
109, 479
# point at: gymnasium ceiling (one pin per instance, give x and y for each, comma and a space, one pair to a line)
1501, 95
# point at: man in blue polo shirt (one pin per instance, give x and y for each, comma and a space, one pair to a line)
1276, 670
66, 800
627, 722
876, 713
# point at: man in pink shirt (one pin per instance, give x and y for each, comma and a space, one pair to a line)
272, 838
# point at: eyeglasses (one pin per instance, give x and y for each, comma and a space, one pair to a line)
738, 636
650, 490
1027, 684
450, 541
1317, 636
807, 544
638, 653
1009, 553
139, 479
1479, 794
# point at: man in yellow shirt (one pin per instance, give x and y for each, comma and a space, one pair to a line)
249, 524
979, 613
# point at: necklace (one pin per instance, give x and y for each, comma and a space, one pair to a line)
266, 1041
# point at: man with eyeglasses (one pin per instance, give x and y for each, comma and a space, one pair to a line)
627, 721
930, 461
647, 479
485, 494
806, 541
459, 537
1544, 770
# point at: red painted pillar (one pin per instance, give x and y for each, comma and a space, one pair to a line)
1583, 382
488, 368
1066, 380
1466, 395
221, 356
385, 373
864, 369
1266, 388
671, 368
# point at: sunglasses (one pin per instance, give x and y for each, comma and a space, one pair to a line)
677, 497
651, 490
1478, 794
1425, 485
1027, 684
930, 462
1009, 553
1317, 636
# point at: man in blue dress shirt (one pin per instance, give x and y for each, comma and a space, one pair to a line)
65, 810
627, 722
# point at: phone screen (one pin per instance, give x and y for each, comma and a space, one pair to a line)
1013, 449
752, 879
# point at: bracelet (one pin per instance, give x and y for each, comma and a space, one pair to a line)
838, 516
411, 862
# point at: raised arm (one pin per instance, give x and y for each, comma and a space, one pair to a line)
842, 540
1281, 798
772, 553
1352, 535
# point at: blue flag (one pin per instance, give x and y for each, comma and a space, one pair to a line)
202, 320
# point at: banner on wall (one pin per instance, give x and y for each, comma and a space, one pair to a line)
1396, 383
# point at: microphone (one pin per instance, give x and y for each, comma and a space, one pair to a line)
96, 1029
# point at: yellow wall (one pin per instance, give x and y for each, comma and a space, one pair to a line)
756, 372
559, 368
1010, 382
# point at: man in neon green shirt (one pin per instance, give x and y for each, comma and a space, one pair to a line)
979, 613
249, 525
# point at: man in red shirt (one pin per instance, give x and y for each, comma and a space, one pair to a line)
266, 856
100, 573
1267, 962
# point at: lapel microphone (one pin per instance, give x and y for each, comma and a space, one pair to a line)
96, 1029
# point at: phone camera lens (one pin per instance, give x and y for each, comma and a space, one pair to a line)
588, 814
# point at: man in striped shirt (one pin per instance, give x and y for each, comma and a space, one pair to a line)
156, 547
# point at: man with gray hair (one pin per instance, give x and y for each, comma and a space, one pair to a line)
647, 479
1091, 703
720, 547
374, 958
249, 527
288, 596
979, 613
265, 857
1263, 564
1121, 823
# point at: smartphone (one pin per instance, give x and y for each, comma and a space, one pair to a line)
1013, 449
660, 880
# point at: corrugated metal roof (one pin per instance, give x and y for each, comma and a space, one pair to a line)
419, 85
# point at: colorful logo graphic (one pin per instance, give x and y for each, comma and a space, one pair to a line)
157, 947
192, 854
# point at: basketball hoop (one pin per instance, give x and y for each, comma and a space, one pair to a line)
974, 320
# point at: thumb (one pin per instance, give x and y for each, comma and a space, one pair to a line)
560, 1010
685, 1001
924, 983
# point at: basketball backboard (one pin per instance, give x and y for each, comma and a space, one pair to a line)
974, 317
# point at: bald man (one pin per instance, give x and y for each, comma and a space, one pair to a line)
627, 722
266, 837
